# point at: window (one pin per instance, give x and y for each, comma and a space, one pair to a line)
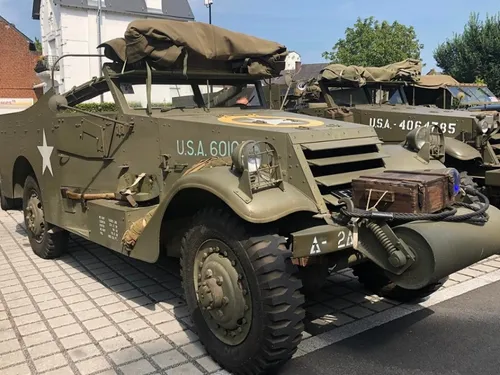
183, 95
347, 97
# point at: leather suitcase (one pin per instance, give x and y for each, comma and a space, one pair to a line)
426, 191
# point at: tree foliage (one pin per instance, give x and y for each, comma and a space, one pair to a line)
473, 55
373, 43
38, 45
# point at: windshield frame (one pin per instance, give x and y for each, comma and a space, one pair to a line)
367, 88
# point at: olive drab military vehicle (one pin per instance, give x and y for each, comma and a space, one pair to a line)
443, 91
377, 96
250, 199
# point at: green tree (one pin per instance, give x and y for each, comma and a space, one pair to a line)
473, 54
38, 45
373, 43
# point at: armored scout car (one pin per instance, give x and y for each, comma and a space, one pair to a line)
247, 197
378, 97
443, 91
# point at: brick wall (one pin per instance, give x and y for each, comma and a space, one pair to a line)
16, 64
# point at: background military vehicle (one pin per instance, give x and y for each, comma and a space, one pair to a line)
443, 91
376, 96
247, 197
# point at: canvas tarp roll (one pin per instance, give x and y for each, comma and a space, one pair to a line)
407, 70
171, 44
436, 81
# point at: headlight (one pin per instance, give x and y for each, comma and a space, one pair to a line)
247, 155
483, 125
417, 138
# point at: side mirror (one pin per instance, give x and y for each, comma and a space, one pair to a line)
57, 102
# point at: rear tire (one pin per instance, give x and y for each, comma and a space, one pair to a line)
242, 293
48, 242
374, 279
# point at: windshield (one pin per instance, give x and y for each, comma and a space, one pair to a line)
474, 94
367, 95
165, 96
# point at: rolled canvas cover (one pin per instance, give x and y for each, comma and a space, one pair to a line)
406, 70
173, 44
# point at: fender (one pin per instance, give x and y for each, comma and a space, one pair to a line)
460, 150
266, 206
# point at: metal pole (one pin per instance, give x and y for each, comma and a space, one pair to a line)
210, 14
99, 37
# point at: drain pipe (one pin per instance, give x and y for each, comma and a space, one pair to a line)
99, 37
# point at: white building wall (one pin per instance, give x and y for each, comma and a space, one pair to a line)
291, 59
75, 31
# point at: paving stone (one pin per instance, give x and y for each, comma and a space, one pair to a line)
377, 306
88, 314
183, 338
68, 330
11, 359
43, 350
114, 308
133, 325
186, 369
358, 312
9, 296
96, 323
74, 298
37, 338
168, 359
5, 325
160, 317
61, 321
60, 371
105, 333
49, 363
141, 367
19, 303
114, 344
459, 277
106, 300
195, 349
91, 366
482, 268
7, 335
84, 352
170, 327
208, 364
27, 319
81, 306
143, 335
123, 316
157, 346
55, 313
21, 369
25, 310
75, 341
126, 355
100, 292
31, 328
470, 272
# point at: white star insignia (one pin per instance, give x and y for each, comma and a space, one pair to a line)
277, 121
46, 152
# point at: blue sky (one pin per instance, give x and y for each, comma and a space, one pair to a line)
312, 26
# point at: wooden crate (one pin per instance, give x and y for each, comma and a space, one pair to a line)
404, 191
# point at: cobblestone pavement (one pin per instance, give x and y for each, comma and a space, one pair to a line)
94, 311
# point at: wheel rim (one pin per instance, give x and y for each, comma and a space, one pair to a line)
35, 220
222, 292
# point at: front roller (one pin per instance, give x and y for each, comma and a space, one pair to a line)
443, 248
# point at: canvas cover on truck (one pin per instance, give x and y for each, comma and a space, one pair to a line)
406, 70
168, 44
436, 81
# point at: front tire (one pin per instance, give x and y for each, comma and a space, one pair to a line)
374, 279
48, 242
242, 293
